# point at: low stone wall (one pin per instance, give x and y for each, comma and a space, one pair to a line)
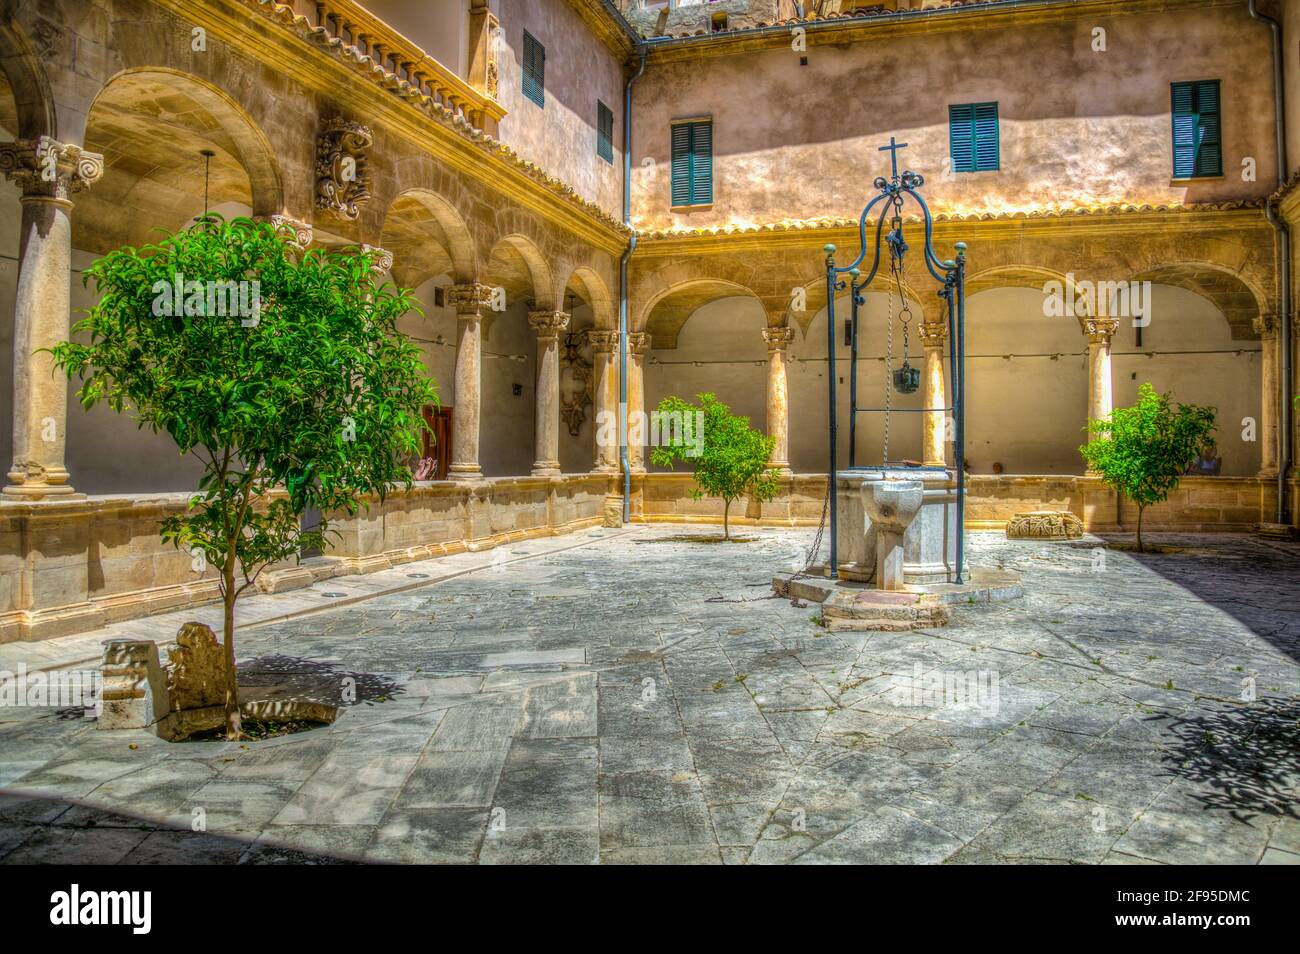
1199, 503
71, 566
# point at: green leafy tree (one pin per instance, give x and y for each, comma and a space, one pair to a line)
729, 456
284, 374
1143, 450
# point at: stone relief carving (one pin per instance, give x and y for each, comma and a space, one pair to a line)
575, 383
342, 176
493, 74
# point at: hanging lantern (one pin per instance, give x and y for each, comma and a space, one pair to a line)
907, 378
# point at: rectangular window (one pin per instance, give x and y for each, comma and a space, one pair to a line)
973, 136
604, 132
693, 162
1198, 149
534, 70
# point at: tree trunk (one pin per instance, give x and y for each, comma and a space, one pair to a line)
1139, 530
233, 728
726, 509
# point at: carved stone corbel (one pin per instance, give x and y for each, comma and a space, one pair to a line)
342, 176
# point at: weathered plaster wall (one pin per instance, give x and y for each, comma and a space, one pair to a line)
1078, 127
580, 70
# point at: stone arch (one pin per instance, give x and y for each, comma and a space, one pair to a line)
517, 264
427, 236
33, 99
664, 314
238, 135
1237, 297
597, 294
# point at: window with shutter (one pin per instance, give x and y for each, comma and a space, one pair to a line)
973, 136
534, 70
1195, 112
692, 150
604, 132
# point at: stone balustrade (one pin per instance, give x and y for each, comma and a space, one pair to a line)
354, 25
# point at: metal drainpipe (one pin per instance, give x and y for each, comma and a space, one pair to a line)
624, 460
1284, 239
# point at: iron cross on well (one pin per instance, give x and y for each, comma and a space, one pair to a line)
892, 149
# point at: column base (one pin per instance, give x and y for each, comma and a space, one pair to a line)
781, 467
546, 468
464, 472
26, 492
1268, 473
605, 470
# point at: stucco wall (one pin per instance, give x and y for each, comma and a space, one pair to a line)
1078, 127
580, 70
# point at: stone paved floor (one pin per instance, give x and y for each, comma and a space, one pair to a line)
637, 700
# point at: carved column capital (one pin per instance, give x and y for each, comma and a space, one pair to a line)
778, 338
1098, 330
45, 167
381, 258
469, 299
296, 233
638, 342
603, 341
548, 324
1266, 326
934, 334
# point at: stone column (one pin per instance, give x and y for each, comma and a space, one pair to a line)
1100, 393
778, 399
934, 429
469, 300
638, 343
548, 325
1267, 328
49, 173
604, 352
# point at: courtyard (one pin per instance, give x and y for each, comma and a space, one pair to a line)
638, 696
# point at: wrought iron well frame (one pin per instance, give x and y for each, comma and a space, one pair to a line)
951, 273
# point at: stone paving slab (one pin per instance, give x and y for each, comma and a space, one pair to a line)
636, 698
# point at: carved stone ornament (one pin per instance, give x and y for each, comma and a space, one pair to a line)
45, 166
342, 177
575, 383
298, 234
493, 73
469, 299
1098, 330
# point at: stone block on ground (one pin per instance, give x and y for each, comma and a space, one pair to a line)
1044, 525
196, 676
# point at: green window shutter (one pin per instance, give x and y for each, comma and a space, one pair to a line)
973, 137
604, 132
701, 163
693, 163
961, 137
682, 164
987, 149
1196, 117
534, 70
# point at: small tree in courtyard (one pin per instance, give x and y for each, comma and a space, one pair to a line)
1143, 450
730, 457
284, 375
